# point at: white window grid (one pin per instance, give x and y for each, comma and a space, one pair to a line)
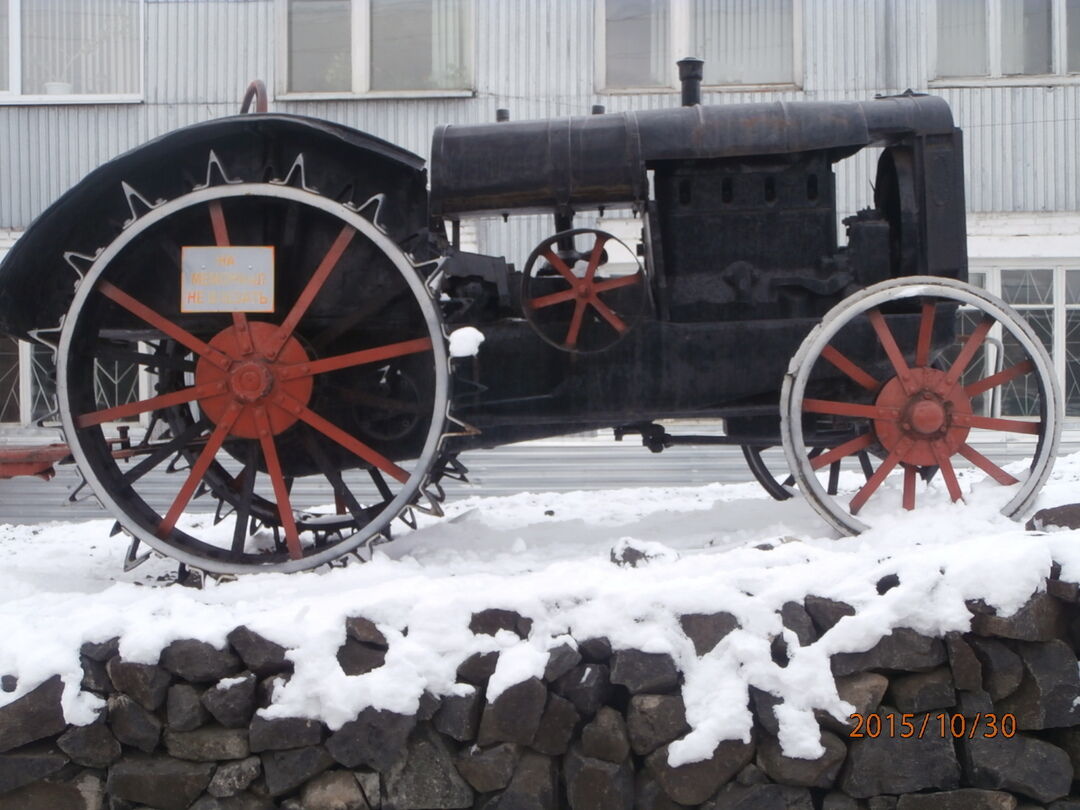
1059, 52
679, 39
360, 43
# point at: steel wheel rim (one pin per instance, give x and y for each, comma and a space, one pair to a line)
411, 490
802, 364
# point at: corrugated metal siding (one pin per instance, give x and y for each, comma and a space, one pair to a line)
537, 57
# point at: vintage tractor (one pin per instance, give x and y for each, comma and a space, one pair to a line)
288, 287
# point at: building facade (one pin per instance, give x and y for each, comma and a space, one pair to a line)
82, 81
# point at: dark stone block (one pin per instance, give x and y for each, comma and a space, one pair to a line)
825, 613
1066, 516
427, 706
695, 782
970, 704
922, 691
488, 769
595, 650
761, 797
232, 778
132, 724
34, 716
1046, 697
864, 691
534, 786
1019, 764
199, 662
95, 676
966, 670
8, 683
640, 672
796, 619
966, 799
1002, 668
903, 649
101, 651
333, 790
890, 764
458, 716
596, 784
356, 658
241, 801
285, 771
561, 660
587, 686
426, 777
260, 655
556, 728
232, 701
85, 792
491, 621
514, 716
478, 668
364, 631
815, 773
183, 708
1042, 618
1065, 591
606, 737
375, 738
648, 794
92, 746
29, 764
655, 720
207, 744
145, 683
835, 800
160, 782
706, 630
764, 706
279, 733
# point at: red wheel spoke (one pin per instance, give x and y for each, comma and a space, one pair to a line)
616, 283
562, 267
888, 342
882, 472
849, 368
594, 258
221, 238
945, 465
841, 450
198, 469
338, 435
1002, 377
909, 487
359, 358
974, 341
987, 466
926, 331
989, 423
315, 283
575, 325
152, 404
605, 311
849, 409
552, 299
176, 332
277, 478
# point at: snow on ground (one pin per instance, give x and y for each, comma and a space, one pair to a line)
548, 556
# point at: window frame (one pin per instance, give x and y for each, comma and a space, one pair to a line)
679, 42
1060, 74
18, 98
360, 52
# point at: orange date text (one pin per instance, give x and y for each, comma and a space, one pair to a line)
943, 724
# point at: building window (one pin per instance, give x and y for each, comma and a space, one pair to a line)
743, 42
362, 46
70, 48
1007, 38
9, 380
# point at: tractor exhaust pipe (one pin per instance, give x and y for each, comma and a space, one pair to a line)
691, 69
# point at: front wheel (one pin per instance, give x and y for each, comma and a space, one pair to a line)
922, 388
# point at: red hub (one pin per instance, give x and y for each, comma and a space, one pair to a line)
249, 382
927, 404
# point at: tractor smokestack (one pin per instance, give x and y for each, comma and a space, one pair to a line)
691, 69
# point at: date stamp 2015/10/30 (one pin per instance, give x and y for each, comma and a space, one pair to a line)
942, 724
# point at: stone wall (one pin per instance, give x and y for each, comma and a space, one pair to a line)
984, 720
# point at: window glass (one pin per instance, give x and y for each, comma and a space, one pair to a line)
1072, 36
961, 33
320, 58
72, 46
744, 41
1072, 286
9, 380
42, 382
4, 56
418, 45
1020, 396
1072, 362
1027, 287
637, 43
1025, 37
977, 279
